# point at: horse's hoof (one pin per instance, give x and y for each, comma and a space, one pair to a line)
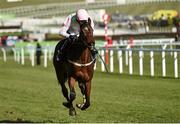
85, 106
67, 104
72, 111
82, 106
79, 105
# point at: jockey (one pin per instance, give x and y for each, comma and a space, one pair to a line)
71, 28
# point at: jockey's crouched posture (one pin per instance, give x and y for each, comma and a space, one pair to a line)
71, 28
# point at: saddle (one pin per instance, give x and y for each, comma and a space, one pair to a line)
64, 46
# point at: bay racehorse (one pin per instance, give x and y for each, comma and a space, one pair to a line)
77, 67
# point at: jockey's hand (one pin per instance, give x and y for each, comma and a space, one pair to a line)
73, 37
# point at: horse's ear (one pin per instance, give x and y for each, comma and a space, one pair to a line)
89, 21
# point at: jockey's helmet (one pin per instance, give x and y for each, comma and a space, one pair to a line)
82, 15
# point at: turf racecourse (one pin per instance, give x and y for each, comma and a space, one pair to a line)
30, 94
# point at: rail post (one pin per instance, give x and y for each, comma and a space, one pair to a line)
102, 64
45, 57
120, 61
14, 52
130, 63
141, 62
175, 65
111, 61
32, 57
22, 56
152, 63
126, 55
18, 56
4, 54
163, 64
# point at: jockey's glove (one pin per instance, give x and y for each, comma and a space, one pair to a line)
73, 37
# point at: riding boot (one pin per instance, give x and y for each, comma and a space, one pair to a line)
94, 51
61, 51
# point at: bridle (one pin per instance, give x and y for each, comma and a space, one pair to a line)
88, 45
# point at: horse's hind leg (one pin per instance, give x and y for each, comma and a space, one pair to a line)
61, 75
65, 94
62, 78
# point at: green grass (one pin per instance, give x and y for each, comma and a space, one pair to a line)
32, 94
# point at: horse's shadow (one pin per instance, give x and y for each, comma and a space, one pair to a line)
15, 121
19, 120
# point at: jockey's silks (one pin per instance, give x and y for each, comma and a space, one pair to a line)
71, 26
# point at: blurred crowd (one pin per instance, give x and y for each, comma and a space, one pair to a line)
160, 18
8, 40
11, 40
128, 24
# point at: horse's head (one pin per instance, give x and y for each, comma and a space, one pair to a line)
86, 33
80, 50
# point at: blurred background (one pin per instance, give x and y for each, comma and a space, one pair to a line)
40, 20
138, 39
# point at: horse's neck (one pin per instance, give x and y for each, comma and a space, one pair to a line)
79, 53
86, 56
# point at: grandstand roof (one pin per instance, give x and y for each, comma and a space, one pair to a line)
51, 8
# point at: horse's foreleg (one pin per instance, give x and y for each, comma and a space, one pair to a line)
82, 87
72, 96
71, 83
86, 103
83, 91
